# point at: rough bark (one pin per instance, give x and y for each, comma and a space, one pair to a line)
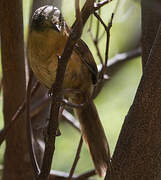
151, 17
16, 159
138, 151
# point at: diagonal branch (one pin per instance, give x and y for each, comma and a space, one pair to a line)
77, 156
57, 87
69, 118
59, 175
86, 175
113, 64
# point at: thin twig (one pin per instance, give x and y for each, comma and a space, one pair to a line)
59, 175
86, 175
65, 102
69, 118
97, 48
102, 74
114, 62
108, 38
96, 39
121, 57
100, 20
77, 156
107, 29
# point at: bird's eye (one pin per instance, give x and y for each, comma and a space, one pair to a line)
40, 19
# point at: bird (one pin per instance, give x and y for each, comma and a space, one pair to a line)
47, 37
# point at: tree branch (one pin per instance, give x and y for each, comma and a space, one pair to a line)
113, 64
69, 118
58, 175
77, 156
86, 175
57, 87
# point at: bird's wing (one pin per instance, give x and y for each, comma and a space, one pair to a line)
87, 58
85, 54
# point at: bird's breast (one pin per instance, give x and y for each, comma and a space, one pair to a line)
42, 53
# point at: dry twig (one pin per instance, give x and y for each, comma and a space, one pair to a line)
59, 175
86, 175
107, 30
113, 63
77, 156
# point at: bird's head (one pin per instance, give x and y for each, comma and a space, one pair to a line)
47, 17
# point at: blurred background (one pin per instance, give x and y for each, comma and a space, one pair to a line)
117, 95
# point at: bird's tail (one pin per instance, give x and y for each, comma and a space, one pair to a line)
94, 135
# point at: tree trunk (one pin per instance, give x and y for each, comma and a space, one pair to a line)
138, 151
16, 158
151, 18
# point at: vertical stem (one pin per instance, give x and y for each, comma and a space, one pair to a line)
16, 166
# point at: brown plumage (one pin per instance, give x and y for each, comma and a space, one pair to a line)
47, 38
